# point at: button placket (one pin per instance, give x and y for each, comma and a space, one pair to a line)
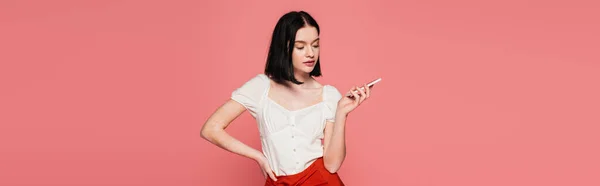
293, 120
293, 124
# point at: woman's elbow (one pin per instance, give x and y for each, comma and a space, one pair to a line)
333, 162
332, 168
203, 134
208, 130
206, 134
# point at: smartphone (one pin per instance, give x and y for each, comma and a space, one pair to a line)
370, 84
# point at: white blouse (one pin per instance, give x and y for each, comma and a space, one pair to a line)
291, 139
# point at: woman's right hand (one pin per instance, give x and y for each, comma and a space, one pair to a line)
266, 169
347, 104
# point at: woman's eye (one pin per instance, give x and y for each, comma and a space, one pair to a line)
300, 48
316, 46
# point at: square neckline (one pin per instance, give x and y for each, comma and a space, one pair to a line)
295, 110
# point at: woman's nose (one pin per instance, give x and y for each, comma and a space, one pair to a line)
309, 52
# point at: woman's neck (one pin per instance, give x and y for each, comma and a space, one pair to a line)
308, 81
302, 77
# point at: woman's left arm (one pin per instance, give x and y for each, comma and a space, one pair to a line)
334, 147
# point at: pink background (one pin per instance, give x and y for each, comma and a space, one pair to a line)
473, 93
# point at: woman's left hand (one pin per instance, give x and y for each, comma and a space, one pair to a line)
348, 104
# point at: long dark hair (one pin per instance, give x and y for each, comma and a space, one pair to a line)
279, 60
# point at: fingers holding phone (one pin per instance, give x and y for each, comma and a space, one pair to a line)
355, 97
369, 86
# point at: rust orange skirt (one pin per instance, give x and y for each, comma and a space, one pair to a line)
314, 175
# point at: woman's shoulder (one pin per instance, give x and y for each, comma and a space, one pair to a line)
252, 92
255, 83
258, 80
260, 77
331, 97
331, 92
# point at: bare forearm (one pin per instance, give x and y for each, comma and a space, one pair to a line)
225, 141
335, 153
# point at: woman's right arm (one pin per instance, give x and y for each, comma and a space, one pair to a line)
214, 130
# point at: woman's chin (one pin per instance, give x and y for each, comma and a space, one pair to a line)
306, 70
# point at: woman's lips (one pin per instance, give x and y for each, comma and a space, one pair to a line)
310, 63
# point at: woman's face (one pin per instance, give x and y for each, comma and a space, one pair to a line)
306, 49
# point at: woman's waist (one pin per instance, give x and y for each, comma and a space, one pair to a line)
285, 166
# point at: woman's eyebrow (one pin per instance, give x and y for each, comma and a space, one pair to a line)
301, 41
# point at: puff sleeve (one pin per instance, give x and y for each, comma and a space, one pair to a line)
251, 93
332, 96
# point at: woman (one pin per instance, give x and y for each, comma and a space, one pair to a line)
301, 122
